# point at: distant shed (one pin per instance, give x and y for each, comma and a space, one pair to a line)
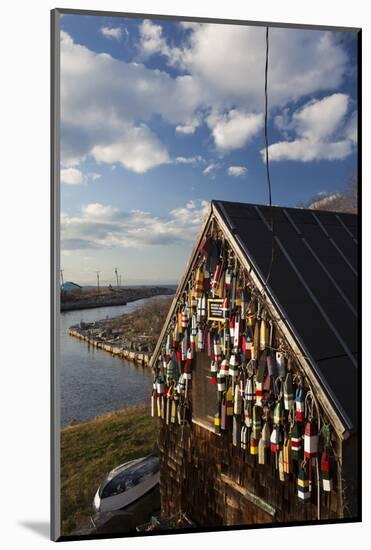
256, 375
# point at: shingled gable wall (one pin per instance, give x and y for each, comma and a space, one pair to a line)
216, 484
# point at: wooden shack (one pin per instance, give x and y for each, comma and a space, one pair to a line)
255, 371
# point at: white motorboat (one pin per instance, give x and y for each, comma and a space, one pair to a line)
127, 483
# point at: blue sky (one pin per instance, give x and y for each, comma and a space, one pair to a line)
160, 117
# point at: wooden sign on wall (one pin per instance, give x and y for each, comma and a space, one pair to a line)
214, 309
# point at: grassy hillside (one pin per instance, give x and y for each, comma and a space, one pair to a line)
91, 449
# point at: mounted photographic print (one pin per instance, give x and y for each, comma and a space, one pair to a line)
205, 193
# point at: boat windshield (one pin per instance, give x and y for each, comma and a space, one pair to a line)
130, 477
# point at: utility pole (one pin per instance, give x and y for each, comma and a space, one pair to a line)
117, 277
62, 280
98, 281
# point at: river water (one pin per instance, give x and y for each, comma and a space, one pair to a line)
92, 381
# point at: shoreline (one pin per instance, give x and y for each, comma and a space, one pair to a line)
137, 357
118, 299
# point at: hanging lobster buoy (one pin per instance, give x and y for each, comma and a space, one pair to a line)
231, 328
299, 404
278, 413
259, 393
229, 399
223, 414
304, 489
310, 440
199, 283
224, 367
215, 279
217, 427
256, 421
281, 364
225, 308
203, 307
247, 410
153, 399
213, 372
296, 442
217, 348
274, 440
228, 279
221, 381
287, 462
237, 406
236, 337
288, 392
325, 471
254, 446
173, 413
281, 469
236, 432
264, 444
250, 389
263, 335
185, 318
233, 369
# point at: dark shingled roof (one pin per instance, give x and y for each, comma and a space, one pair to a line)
314, 279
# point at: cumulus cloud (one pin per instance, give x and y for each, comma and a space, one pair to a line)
211, 169
119, 95
237, 171
137, 149
319, 132
71, 176
112, 32
190, 160
234, 129
99, 226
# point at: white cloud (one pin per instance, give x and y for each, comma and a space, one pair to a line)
237, 171
235, 129
318, 129
190, 160
99, 225
153, 42
93, 176
112, 32
189, 128
71, 176
210, 169
138, 149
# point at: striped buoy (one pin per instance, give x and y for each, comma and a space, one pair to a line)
153, 399
228, 279
168, 344
259, 393
310, 440
173, 413
278, 415
233, 368
206, 280
193, 326
299, 404
213, 372
281, 364
199, 283
215, 278
231, 328
263, 335
325, 471
203, 307
250, 389
217, 348
225, 308
304, 489
229, 399
185, 318
221, 381
224, 367
288, 393
217, 423
296, 442
274, 440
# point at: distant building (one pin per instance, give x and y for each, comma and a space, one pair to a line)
69, 286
